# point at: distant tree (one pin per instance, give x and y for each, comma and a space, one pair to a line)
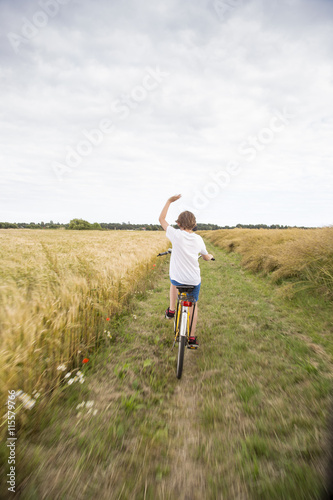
8, 225
79, 224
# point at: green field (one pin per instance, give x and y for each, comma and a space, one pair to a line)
246, 421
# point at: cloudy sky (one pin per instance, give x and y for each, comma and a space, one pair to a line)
108, 108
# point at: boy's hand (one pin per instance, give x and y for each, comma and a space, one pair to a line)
174, 198
209, 256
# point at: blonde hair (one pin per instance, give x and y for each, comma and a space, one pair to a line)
186, 220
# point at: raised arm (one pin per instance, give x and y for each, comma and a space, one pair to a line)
165, 209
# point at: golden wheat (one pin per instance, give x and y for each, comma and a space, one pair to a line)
57, 289
304, 256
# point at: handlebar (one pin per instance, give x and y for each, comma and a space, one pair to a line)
164, 253
170, 250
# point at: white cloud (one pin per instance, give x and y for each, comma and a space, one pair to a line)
226, 80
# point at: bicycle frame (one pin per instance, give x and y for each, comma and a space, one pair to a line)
183, 326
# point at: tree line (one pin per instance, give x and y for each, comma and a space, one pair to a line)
80, 224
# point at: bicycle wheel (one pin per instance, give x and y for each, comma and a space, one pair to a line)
180, 361
181, 348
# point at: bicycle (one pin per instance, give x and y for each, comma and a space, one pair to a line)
182, 323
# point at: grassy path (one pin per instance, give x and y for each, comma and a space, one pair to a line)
247, 420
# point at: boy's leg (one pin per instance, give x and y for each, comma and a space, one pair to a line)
195, 318
173, 296
196, 292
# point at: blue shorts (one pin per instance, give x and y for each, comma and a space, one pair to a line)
194, 294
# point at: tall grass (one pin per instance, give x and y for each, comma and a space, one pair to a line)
304, 257
57, 289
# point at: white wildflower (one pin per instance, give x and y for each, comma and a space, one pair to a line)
134, 316
28, 401
79, 374
95, 412
29, 404
89, 404
71, 380
81, 380
81, 405
68, 374
61, 368
76, 378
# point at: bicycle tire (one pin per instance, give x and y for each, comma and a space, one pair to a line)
181, 351
180, 361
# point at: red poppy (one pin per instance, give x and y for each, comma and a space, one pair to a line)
107, 319
85, 360
154, 265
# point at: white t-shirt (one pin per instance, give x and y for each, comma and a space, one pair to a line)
184, 265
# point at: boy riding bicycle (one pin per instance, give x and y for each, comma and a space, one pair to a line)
184, 265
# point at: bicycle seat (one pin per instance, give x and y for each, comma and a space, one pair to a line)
186, 288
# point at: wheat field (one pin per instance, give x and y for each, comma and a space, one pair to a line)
57, 290
299, 258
